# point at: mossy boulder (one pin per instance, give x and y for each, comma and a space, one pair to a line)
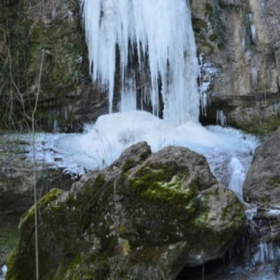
145, 216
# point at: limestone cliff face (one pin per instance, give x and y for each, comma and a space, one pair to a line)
240, 39
237, 40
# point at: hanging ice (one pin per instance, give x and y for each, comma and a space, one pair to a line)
252, 27
159, 33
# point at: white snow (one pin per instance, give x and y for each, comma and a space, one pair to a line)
227, 150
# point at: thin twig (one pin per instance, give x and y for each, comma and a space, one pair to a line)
34, 168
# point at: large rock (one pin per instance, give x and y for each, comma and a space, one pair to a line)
146, 216
262, 183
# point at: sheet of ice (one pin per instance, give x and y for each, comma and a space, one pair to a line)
227, 150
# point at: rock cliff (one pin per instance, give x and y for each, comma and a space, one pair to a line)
237, 41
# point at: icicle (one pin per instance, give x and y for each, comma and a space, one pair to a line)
276, 107
55, 126
237, 176
160, 30
252, 27
254, 75
66, 113
221, 118
128, 100
203, 272
267, 252
243, 44
207, 74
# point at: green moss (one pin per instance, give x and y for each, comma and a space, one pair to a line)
13, 56
208, 9
52, 195
265, 199
45, 200
274, 181
205, 44
9, 236
149, 177
62, 70
201, 218
99, 184
228, 59
128, 164
199, 25
264, 128
79, 270
165, 183
24, 37
270, 55
11, 262
9, 239
221, 46
97, 268
238, 213
201, 212
213, 37
218, 24
171, 190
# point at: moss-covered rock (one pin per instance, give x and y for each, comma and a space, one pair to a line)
144, 219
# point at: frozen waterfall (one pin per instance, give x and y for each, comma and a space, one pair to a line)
159, 33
